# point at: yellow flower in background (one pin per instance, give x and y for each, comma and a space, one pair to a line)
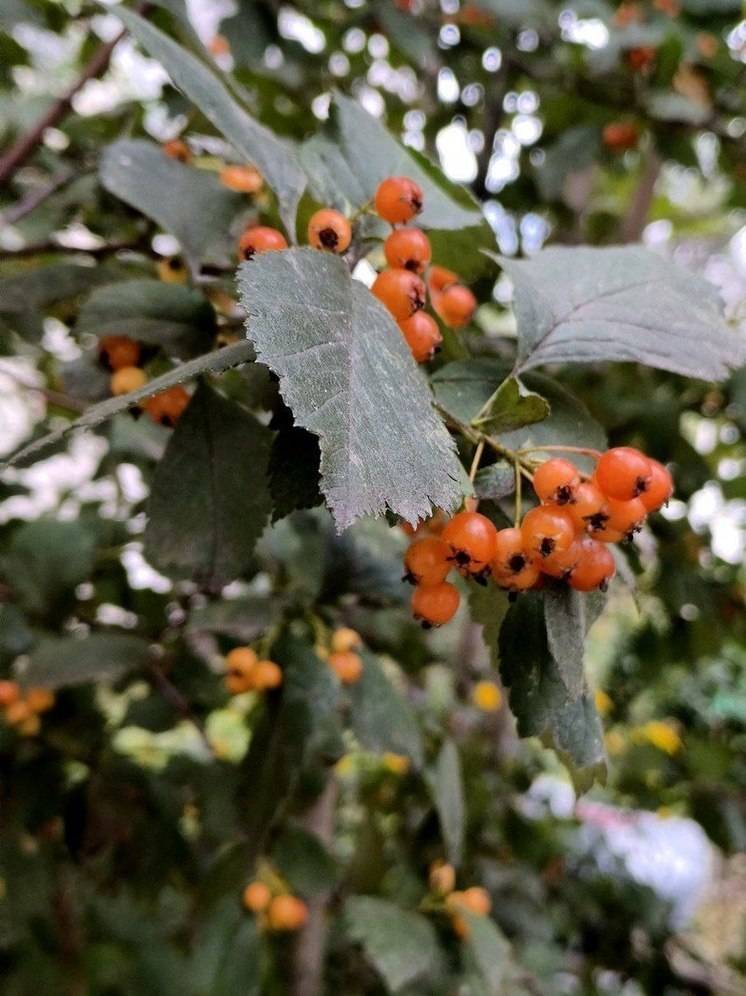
397, 764
486, 695
615, 742
603, 701
661, 734
345, 766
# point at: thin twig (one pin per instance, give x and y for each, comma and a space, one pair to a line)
477, 458
36, 197
51, 246
636, 217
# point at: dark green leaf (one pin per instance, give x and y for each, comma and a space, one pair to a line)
513, 406
294, 471
568, 616
75, 661
576, 149
15, 634
448, 792
488, 606
304, 862
382, 719
496, 481
45, 560
490, 956
210, 497
226, 953
242, 619
347, 376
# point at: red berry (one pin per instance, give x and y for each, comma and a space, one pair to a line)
455, 305
177, 149
398, 199
260, 238
618, 136
117, 351
623, 473
660, 487
408, 248
625, 516
595, 566
556, 481
547, 529
167, 407
422, 334
427, 561
588, 508
472, 539
435, 604
401, 291
329, 229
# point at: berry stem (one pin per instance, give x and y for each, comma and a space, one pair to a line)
518, 492
476, 461
582, 450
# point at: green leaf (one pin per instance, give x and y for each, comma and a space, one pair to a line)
242, 619
448, 793
214, 362
496, 481
169, 315
513, 406
539, 698
255, 143
210, 498
226, 953
519, 13
303, 861
489, 955
488, 606
74, 661
294, 471
45, 560
401, 945
15, 635
582, 305
407, 34
25, 297
576, 149
189, 203
381, 718
348, 377
568, 615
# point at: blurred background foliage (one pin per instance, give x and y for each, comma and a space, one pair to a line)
128, 825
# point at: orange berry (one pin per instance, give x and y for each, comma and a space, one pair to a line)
659, 489
10, 692
401, 291
167, 407
260, 238
345, 639
347, 665
556, 481
442, 878
588, 508
561, 563
177, 149
242, 179
427, 561
475, 899
18, 712
624, 516
329, 229
595, 566
439, 278
510, 555
547, 529
239, 666
408, 249
117, 351
265, 675
622, 473
641, 59
455, 305
422, 336
39, 699
256, 897
218, 45
618, 136
434, 605
473, 542
127, 379
398, 199
286, 913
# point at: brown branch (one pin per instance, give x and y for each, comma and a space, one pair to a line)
36, 197
636, 218
25, 145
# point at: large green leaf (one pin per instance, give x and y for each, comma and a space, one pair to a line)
490, 959
215, 362
346, 373
58, 663
401, 945
45, 560
568, 615
381, 718
582, 305
448, 792
275, 158
26, 295
210, 497
169, 315
226, 953
539, 697
189, 203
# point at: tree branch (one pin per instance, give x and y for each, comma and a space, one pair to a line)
634, 221
35, 197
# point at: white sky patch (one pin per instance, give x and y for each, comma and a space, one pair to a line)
297, 27
448, 86
456, 156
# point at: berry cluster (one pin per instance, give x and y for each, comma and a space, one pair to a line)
565, 538
456, 902
342, 656
245, 672
276, 911
122, 356
21, 709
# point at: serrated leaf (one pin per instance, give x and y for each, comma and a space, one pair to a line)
75, 661
401, 945
210, 499
275, 158
583, 305
539, 698
215, 362
496, 481
381, 718
347, 375
448, 793
45, 560
568, 615
189, 203
512, 407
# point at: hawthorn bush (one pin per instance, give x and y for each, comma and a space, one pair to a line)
278, 328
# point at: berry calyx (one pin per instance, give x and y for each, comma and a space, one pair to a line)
422, 335
556, 480
510, 557
260, 238
427, 561
344, 639
242, 179
256, 897
526, 578
117, 351
588, 508
659, 489
401, 291
286, 913
347, 665
408, 249
623, 473
595, 566
398, 199
177, 149
434, 605
171, 270
329, 229
127, 379
455, 305
472, 539
546, 530
167, 407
